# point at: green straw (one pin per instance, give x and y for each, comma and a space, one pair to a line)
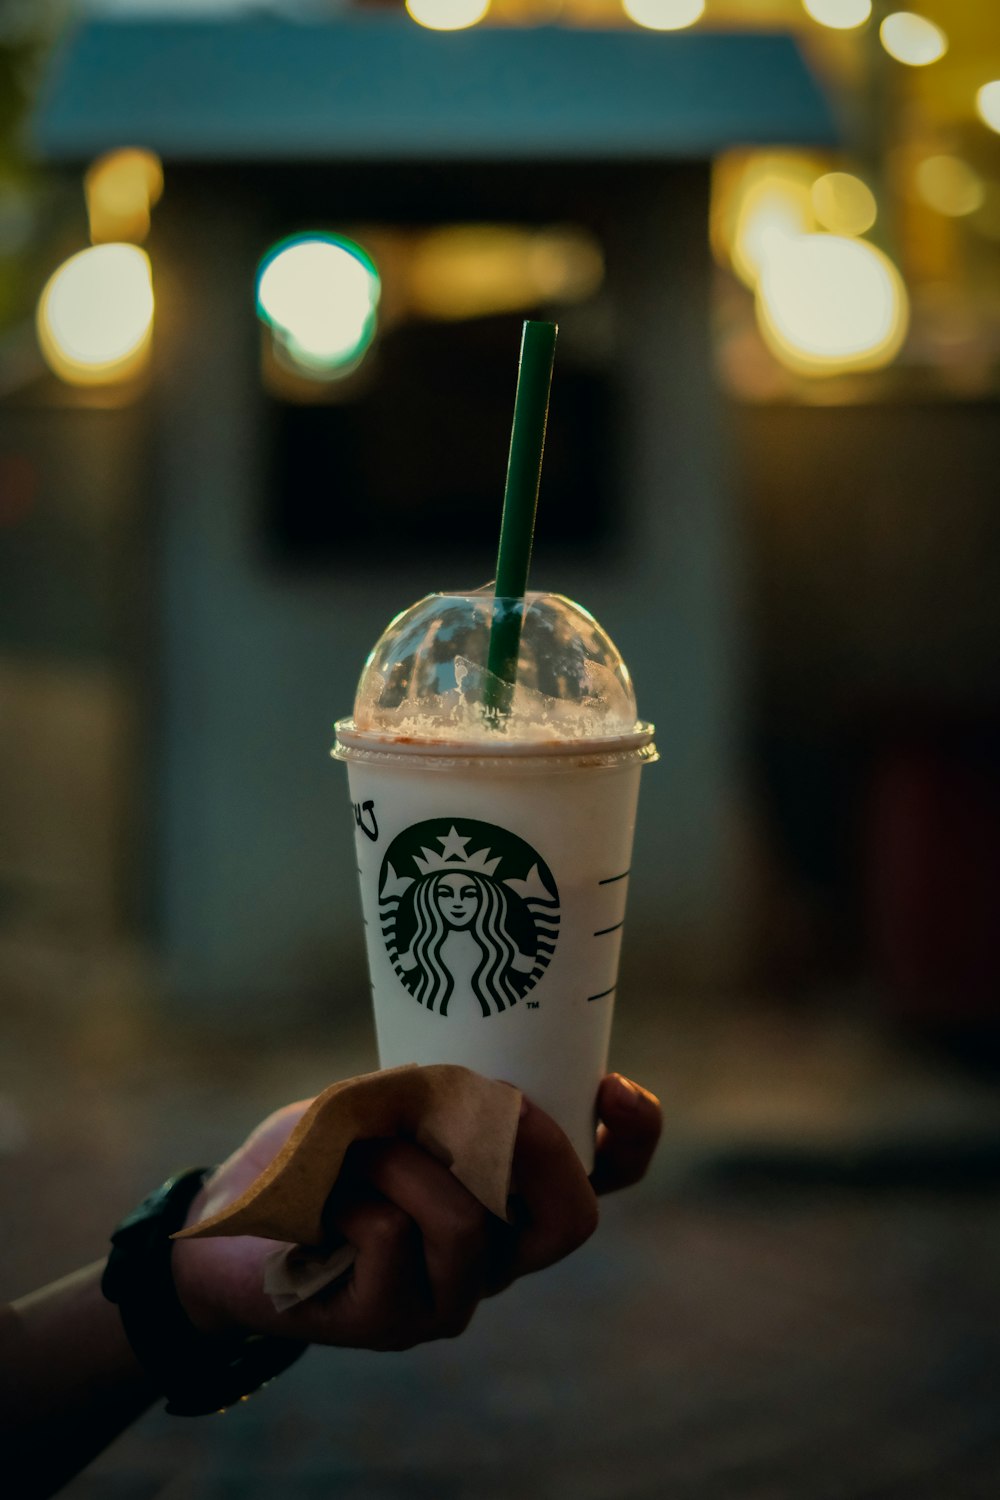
520, 501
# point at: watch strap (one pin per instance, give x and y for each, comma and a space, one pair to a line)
198, 1372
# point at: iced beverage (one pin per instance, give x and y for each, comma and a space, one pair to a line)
494, 851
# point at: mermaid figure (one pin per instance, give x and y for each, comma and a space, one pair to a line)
462, 937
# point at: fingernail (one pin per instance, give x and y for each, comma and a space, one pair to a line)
524, 1107
630, 1096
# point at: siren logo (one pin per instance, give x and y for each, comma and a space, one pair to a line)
469, 913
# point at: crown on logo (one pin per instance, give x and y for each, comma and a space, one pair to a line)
453, 856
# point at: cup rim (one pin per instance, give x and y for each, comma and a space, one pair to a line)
349, 738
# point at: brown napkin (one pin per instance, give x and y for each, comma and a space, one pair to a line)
466, 1121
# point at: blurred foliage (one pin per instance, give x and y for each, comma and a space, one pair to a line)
27, 31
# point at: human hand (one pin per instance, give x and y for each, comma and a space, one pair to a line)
426, 1249
545, 1165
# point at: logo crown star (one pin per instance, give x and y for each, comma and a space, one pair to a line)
453, 856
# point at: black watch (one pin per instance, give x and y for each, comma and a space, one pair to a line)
198, 1372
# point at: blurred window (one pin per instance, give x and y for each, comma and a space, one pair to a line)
410, 457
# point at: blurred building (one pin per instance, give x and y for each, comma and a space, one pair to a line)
210, 522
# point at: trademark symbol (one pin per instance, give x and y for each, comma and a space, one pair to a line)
533, 1004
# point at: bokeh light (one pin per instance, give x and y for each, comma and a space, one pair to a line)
912, 39
121, 188
664, 15
447, 15
319, 295
843, 203
95, 315
988, 104
478, 270
774, 205
827, 305
950, 185
840, 15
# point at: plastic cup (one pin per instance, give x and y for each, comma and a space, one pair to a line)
494, 859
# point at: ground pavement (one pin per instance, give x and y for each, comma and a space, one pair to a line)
801, 1303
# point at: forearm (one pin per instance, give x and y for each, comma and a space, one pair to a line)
69, 1382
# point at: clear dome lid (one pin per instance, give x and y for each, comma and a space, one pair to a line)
427, 678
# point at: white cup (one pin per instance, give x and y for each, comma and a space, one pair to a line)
493, 887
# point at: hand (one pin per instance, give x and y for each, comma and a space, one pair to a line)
545, 1165
427, 1251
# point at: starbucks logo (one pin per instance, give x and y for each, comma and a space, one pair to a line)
469, 913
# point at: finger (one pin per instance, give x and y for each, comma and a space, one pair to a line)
631, 1122
554, 1205
452, 1224
386, 1301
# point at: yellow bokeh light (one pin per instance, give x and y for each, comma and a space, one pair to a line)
121, 188
95, 315
774, 206
447, 15
843, 203
477, 270
988, 104
319, 294
950, 186
827, 305
664, 15
839, 15
912, 39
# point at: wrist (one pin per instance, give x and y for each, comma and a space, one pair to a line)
193, 1355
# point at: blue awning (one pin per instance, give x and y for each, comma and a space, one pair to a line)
380, 88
